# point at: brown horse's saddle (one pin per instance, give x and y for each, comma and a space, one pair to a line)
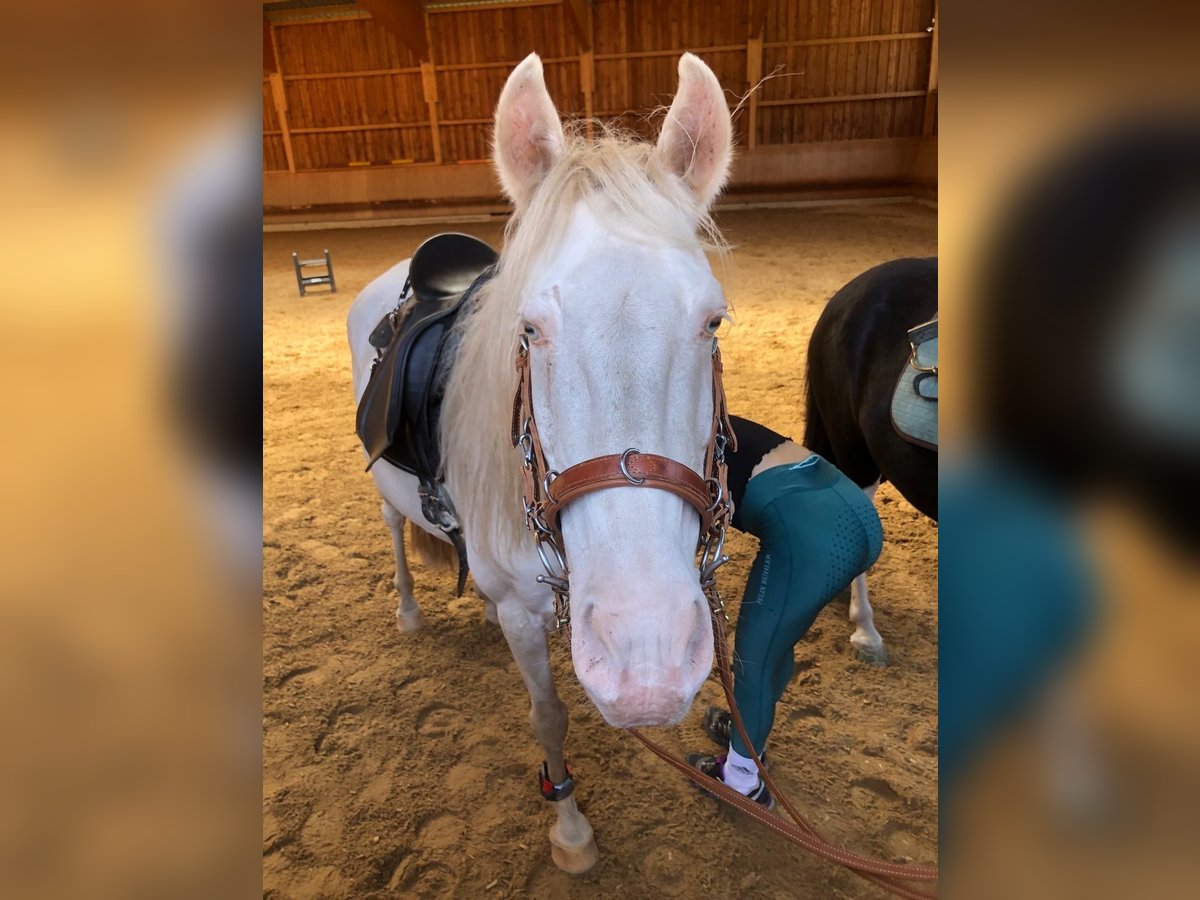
915, 399
400, 410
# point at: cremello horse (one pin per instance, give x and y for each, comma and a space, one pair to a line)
604, 272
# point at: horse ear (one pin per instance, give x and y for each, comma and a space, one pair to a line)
696, 142
529, 136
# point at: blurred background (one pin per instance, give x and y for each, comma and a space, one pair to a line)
1069, 189
129, 628
129, 569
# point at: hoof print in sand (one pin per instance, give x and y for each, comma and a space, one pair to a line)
668, 870
437, 720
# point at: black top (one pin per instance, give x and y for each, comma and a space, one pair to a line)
754, 442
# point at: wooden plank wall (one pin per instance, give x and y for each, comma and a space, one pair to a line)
356, 97
473, 53
637, 48
876, 51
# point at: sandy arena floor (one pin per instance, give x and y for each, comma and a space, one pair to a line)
403, 765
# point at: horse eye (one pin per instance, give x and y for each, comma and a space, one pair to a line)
714, 324
531, 332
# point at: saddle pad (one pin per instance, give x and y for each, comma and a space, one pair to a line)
915, 399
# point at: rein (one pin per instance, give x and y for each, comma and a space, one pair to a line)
546, 492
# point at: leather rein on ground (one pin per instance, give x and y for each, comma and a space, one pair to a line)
546, 492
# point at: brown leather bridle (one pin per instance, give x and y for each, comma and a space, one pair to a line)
547, 492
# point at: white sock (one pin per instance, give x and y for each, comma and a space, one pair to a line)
741, 773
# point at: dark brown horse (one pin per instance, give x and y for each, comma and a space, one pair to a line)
857, 351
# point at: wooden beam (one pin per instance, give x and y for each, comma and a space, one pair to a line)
756, 18
279, 97
587, 75
503, 64
858, 39
319, 17
270, 61
576, 13
404, 19
520, 4
754, 55
372, 126
848, 98
360, 73
931, 91
933, 59
587, 82
649, 54
429, 86
585, 17
280, 100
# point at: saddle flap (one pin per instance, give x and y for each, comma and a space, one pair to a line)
914, 400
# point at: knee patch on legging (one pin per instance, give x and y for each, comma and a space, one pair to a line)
854, 542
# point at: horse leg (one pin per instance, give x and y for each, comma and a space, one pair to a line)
572, 844
866, 643
408, 613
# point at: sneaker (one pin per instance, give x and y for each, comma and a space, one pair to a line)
718, 725
714, 767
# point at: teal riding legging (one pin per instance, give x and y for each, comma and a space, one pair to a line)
817, 531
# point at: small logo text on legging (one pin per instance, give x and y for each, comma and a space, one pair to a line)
762, 581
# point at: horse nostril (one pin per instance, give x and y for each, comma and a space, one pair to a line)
695, 644
702, 635
592, 627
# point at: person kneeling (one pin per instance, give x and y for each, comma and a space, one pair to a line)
817, 531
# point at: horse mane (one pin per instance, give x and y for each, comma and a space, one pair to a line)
621, 179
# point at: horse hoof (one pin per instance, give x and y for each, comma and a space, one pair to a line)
574, 859
409, 623
872, 656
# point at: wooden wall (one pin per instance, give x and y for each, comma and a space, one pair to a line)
347, 94
849, 70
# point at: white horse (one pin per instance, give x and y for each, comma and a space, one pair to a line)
604, 272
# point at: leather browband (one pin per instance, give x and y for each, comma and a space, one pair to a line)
644, 470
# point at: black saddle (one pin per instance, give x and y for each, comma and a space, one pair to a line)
400, 410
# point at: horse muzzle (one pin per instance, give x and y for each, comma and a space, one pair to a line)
642, 674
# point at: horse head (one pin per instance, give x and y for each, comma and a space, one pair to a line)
619, 307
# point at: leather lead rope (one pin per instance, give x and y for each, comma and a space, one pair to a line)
888, 875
